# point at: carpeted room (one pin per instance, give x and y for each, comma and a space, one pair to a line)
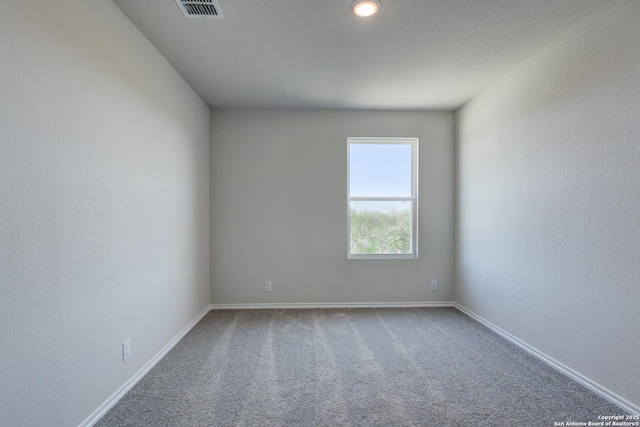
135, 201
350, 367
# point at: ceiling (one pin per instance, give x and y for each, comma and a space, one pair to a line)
415, 54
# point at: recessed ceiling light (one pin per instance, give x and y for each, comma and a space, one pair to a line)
365, 8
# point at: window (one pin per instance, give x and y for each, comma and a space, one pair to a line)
382, 197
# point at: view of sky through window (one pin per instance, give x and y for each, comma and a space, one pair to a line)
380, 170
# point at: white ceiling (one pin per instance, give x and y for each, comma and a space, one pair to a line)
415, 54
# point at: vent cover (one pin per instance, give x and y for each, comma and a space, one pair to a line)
200, 8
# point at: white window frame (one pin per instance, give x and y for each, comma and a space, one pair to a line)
413, 198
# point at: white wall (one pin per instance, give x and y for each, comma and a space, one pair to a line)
104, 207
279, 212
548, 200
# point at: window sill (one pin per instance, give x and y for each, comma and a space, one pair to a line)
408, 256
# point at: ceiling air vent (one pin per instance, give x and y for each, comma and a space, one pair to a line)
200, 8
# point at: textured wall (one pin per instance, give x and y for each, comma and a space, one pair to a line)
279, 212
104, 207
548, 230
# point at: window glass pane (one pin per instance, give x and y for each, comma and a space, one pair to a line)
380, 227
379, 170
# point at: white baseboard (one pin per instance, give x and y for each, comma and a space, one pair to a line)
115, 397
330, 305
591, 385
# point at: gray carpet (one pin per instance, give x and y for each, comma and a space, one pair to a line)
351, 367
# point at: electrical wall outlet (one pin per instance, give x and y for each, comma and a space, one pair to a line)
267, 286
434, 285
126, 350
